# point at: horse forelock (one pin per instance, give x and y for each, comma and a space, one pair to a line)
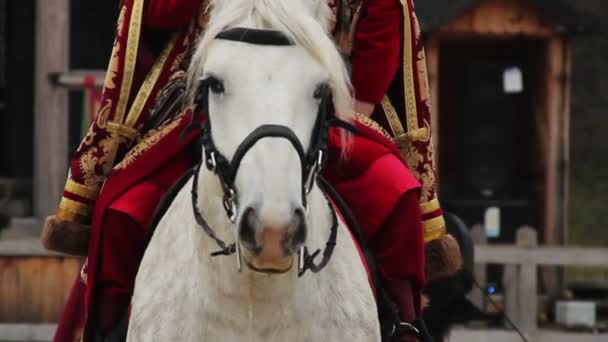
305, 22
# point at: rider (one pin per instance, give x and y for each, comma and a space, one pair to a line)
133, 149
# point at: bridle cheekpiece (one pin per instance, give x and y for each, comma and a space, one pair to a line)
312, 160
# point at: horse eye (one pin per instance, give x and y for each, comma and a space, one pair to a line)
214, 84
322, 91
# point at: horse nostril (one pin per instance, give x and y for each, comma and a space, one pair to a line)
259, 236
247, 228
299, 226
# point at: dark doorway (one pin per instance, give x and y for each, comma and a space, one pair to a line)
490, 137
3, 54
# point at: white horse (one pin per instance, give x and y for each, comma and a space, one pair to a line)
261, 202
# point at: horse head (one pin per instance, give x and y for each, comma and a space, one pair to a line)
269, 78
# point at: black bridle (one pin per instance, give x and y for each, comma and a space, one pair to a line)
312, 160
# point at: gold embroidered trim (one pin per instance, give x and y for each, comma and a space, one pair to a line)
369, 122
434, 229
148, 85
408, 70
66, 215
429, 207
421, 166
392, 117
81, 190
150, 139
130, 59
122, 130
73, 211
75, 207
416, 135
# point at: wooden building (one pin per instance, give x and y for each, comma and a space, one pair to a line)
39, 129
500, 81
494, 147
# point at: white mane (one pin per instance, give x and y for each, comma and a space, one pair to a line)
305, 22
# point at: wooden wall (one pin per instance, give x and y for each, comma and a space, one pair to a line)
500, 17
34, 289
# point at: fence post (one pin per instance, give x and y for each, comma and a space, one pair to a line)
510, 282
478, 234
528, 301
51, 105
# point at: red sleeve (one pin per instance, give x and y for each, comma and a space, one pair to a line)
123, 245
389, 214
170, 14
377, 49
399, 244
125, 234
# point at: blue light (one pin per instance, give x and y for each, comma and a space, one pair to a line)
491, 289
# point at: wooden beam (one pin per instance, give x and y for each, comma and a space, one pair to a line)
480, 238
557, 111
500, 18
510, 283
541, 255
27, 332
552, 104
527, 284
556, 182
564, 132
26, 248
51, 105
469, 335
80, 79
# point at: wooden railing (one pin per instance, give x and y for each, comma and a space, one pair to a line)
520, 275
79, 79
34, 285
520, 281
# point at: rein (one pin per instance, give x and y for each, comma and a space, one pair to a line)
312, 160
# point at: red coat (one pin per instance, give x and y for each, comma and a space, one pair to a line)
377, 45
377, 49
389, 212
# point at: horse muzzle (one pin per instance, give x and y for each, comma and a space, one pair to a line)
271, 248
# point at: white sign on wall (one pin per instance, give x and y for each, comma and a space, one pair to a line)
513, 80
492, 222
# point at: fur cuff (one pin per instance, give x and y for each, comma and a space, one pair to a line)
443, 258
65, 236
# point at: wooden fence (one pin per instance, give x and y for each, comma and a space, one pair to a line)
520, 281
521, 273
34, 285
